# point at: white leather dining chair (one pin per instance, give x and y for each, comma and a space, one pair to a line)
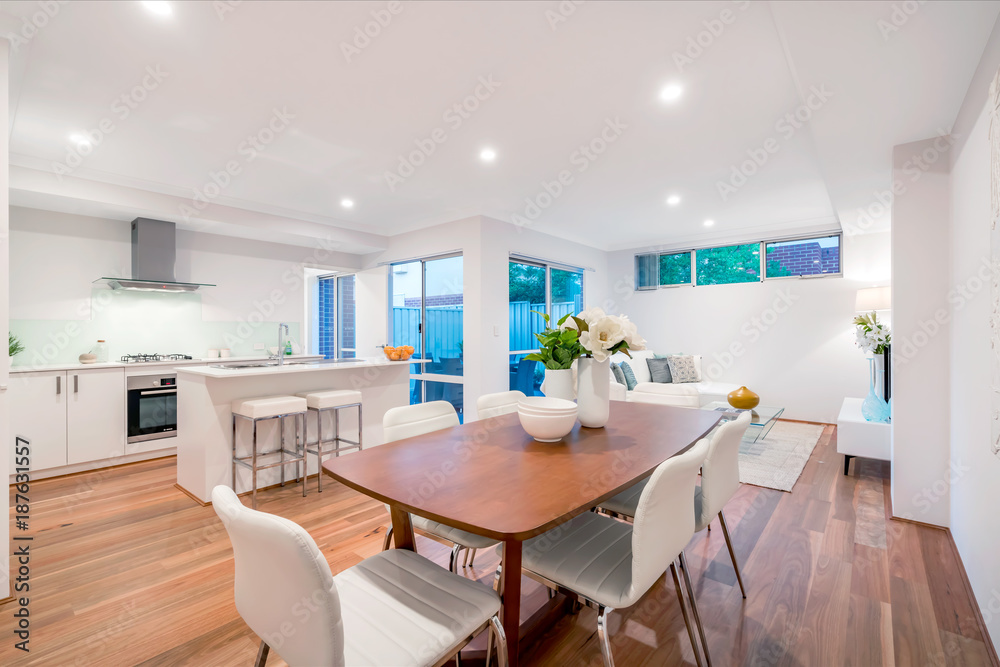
409, 421
395, 608
495, 405
611, 564
665, 394
720, 480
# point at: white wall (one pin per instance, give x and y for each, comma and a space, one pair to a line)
920, 278
59, 314
975, 479
791, 341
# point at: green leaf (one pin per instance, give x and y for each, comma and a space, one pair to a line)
563, 319
580, 324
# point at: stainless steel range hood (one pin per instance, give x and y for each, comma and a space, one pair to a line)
154, 254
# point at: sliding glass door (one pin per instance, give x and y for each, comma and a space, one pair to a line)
536, 288
428, 313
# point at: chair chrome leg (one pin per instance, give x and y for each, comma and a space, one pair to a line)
684, 613
603, 635
387, 542
253, 493
319, 451
496, 632
458, 659
453, 561
732, 554
301, 452
498, 580
465, 558
694, 609
262, 654
234, 453
472, 558
281, 446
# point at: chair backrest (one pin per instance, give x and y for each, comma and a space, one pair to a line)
282, 582
664, 518
720, 476
501, 403
413, 420
681, 399
525, 379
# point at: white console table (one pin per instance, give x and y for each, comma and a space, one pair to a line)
859, 437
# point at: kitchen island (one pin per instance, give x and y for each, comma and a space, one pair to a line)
204, 416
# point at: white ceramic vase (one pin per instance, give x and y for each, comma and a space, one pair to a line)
559, 384
594, 392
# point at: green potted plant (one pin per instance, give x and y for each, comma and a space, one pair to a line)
14, 346
558, 349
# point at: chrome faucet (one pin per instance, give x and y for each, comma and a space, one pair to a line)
281, 347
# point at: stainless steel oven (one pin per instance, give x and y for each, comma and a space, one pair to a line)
152, 407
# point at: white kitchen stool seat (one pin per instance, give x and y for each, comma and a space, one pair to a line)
266, 408
334, 401
395, 608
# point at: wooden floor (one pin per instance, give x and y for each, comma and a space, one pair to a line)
127, 570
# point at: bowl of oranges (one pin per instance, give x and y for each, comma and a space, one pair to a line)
401, 353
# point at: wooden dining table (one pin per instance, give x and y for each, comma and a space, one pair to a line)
491, 478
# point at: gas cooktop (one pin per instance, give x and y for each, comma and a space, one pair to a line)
148, 358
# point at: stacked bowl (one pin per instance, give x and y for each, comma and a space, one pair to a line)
546, 419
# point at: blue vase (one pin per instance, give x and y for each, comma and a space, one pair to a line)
874, 408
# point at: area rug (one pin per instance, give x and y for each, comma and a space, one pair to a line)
777, 461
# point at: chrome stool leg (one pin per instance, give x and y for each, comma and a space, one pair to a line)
319, 450
253, 454
234, 453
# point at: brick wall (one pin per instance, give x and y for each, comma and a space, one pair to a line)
328, 316
440, 300
805, 258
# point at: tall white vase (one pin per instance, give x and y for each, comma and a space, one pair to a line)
594, 392
559, 384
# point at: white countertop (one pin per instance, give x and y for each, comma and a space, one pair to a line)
213, 371
151, 364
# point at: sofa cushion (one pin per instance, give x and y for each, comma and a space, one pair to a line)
659, 370
682, 369
637, 361
619, 375
629, 373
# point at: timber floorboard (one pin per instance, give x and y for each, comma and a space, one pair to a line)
128, 570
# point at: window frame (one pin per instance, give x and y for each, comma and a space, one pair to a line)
335, 344
548, 266
763, 260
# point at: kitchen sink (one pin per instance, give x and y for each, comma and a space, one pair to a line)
270, 364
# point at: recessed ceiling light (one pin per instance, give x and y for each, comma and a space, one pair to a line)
674, 200
158, 7
488, 155
80, 139
709, 223
347, 203
671, 92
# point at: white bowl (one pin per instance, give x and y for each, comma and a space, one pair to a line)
546, 413
547, 428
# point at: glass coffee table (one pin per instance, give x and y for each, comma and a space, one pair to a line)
762, 418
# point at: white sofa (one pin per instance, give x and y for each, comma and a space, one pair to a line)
708, 391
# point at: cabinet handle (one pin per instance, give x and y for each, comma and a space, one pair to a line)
76, 384
58, 385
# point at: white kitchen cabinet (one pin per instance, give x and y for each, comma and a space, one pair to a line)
38, 413
95, 415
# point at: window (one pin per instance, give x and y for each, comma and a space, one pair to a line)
541, 288
803, 257
675, 269
337, 313
728, 264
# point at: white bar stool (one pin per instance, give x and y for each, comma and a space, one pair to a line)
262, 409
325, 401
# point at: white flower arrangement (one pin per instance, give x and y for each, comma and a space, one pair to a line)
871, 335
601, 335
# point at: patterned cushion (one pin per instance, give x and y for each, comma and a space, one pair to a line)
619, 375
630, 380
659, 370
682, 368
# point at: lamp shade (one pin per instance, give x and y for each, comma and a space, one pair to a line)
873, 298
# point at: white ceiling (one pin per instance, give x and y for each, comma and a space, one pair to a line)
608, 60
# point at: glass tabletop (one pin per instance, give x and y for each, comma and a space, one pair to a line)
759, 416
